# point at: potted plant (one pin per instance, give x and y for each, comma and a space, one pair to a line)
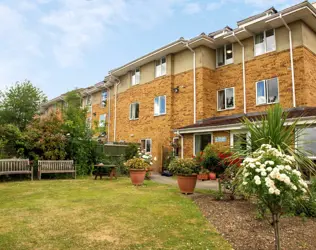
186, 171
203, 174
137, 170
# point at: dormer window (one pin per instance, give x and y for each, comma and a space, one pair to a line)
224, 55
264, 42
135, 76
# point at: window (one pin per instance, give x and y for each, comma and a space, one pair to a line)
161, 68
238, 141
134, 111
267, 91
104, 97
264, 42
135, 76
146, 145
226, 99
308, 141
88, 103
102, 120
88, 122
160, 105
201, 141
224, 55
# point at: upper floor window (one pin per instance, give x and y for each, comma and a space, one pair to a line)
267, 91
161, 68
146, 145
226, 99
104, 97
102, 120
135, 76
134, 111
88, 100
88, 122
264, 42
224, 55
160, 105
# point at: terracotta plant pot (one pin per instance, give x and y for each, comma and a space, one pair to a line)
187, 183
212, 176
137, 176
202, 177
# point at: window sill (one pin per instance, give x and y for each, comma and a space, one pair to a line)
134, 119
156, 77
264, 53
265, 104
159, 115
224, 65
221, 110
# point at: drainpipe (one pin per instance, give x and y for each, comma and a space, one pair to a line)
109, 112
181, 143
194, 81
243, 71
115, 104
292, 60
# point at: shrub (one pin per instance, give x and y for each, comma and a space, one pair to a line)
271, 176
183, 167
131, 151
137, 163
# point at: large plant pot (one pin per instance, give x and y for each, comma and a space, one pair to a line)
187, 183
137, 176
202, 177
212, 176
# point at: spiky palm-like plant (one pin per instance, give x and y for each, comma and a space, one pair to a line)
275, 129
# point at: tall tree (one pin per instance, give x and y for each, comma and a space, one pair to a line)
20, 103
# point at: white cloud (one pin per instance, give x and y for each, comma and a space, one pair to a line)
192, 8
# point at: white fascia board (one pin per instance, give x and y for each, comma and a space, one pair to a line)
239, 126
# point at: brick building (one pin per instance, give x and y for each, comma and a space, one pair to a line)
193, 92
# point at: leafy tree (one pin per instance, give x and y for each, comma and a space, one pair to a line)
45, 138
20, 103
11, 141
80, 147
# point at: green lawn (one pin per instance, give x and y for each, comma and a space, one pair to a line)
89, 214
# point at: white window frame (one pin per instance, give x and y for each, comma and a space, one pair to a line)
225, 62
130, 111
238, 132
101, 103
160, 73
312, 157
204, 133
159, 97
225, 99
264, 43
89, 122
102, 125
266, 93
135, 80
151, 145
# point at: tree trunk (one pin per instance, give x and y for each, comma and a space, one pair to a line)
275, 218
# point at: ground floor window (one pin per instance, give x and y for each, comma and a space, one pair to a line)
176, 146
201, 141
307, 141
238, 140
146, 145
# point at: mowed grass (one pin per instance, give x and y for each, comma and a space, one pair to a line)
101, 214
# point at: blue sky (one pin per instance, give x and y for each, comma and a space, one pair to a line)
63, 44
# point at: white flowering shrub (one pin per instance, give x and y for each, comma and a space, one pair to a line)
270, 174
146, 156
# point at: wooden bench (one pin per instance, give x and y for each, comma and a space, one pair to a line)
56, 167
16, 166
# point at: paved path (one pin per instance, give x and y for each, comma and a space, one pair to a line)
170, 181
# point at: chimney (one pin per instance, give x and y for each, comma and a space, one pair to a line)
314, 4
